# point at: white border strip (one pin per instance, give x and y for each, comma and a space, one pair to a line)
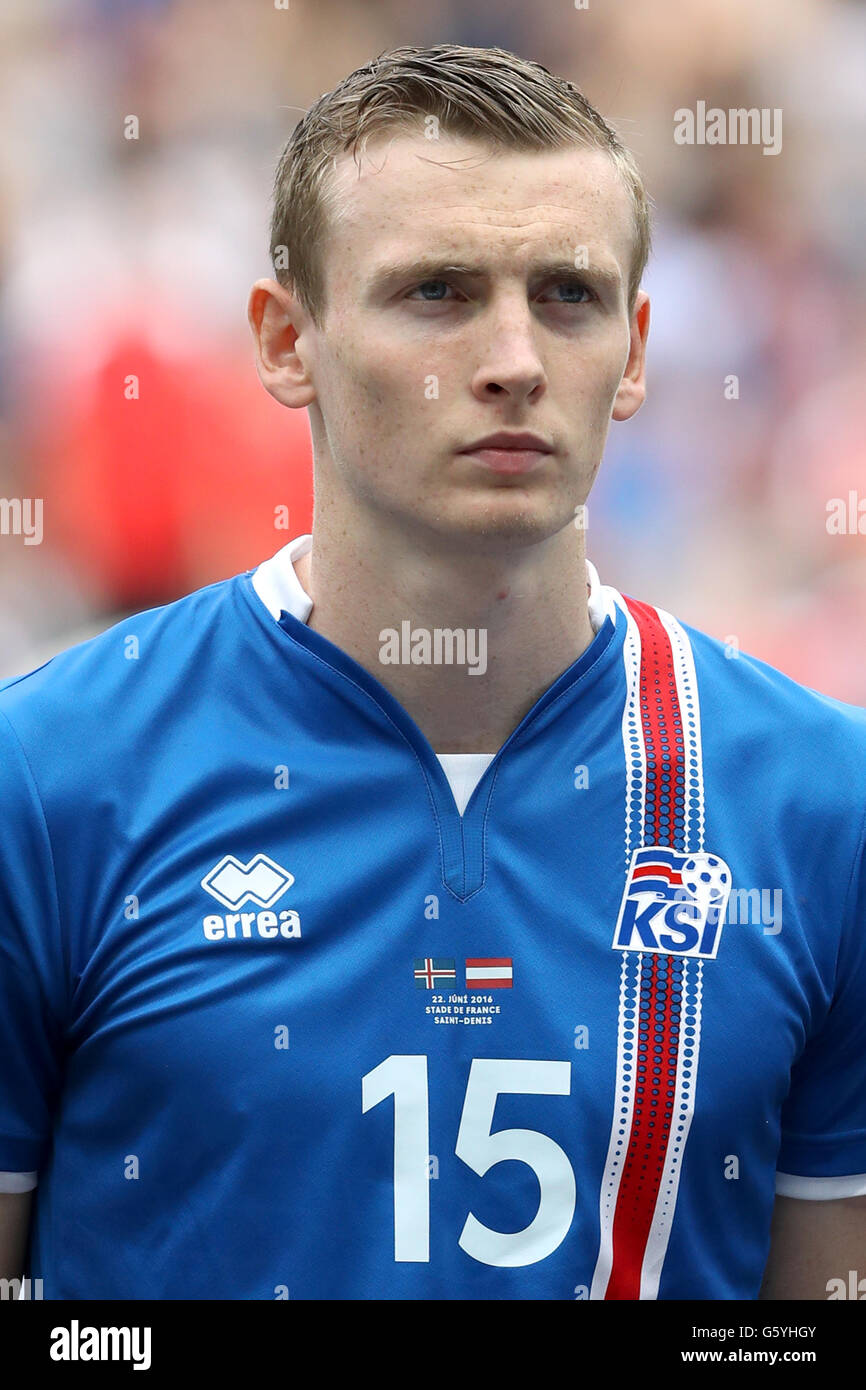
820, 1189
18, 1182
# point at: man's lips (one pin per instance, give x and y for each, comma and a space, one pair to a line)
509, 453
508, 460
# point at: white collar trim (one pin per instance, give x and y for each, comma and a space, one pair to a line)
277, 584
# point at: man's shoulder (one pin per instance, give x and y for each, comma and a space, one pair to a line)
760, 712
770, 692
140, 659
789, 758
750, 710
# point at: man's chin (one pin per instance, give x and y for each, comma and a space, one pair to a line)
521, 521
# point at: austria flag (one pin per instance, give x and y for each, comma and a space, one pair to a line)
489, 974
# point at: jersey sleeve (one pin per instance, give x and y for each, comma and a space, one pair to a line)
823, 1149
33, 976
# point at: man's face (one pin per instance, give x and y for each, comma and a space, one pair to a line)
415, 361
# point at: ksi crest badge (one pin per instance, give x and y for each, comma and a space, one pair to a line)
673, 902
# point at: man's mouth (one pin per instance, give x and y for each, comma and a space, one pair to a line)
508, 460
509, 452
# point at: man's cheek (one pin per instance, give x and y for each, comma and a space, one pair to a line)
400, 397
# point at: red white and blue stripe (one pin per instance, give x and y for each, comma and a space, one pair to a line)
659, 1017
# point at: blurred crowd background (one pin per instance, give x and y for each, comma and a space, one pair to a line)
136, 256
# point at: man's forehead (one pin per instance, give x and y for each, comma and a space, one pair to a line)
461, 182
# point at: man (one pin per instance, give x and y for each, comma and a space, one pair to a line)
367, 918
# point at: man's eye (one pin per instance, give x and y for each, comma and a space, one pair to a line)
575, 287
426, 285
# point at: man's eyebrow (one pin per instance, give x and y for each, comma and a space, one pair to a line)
423, 268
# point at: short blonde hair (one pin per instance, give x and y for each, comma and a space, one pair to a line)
485, 94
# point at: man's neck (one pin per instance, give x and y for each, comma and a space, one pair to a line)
523, 615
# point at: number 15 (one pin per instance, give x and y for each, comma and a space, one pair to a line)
405, 1077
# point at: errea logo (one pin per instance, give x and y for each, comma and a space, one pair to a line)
261, 881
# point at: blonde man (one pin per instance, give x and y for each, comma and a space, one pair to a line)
415, 916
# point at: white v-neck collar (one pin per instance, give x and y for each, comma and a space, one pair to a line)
277, 584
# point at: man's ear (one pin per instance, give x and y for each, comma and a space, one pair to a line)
632, 389
277, 320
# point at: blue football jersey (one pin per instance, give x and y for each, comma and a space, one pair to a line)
288, 1011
